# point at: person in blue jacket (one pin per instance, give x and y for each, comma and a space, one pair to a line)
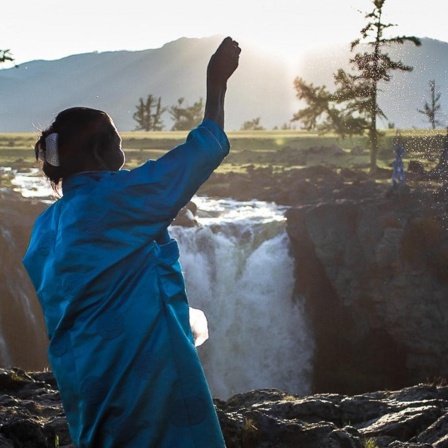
108, 278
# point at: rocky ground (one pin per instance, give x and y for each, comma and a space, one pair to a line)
31, 416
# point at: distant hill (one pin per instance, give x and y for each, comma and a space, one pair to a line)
32, 94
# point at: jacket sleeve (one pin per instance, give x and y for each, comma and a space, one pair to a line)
161, 188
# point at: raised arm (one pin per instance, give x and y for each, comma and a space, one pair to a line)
220, 68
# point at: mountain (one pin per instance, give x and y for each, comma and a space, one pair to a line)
32, 94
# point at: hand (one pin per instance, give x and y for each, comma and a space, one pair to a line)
223, 62
220, 68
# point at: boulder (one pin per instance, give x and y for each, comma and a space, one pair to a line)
31, 415
374, 276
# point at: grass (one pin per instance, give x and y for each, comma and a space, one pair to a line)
249, 425
370, 443
279, 150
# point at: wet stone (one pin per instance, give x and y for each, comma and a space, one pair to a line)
415, 417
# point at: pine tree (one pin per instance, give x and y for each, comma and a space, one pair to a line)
186, 117
149, 114
6, 56
157, 124
353, 107
323, 113
432, 109
252, 125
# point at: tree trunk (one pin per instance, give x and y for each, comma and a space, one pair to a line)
373, 150
373, 135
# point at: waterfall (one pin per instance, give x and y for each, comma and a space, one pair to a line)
240, 272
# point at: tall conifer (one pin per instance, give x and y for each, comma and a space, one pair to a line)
353, 107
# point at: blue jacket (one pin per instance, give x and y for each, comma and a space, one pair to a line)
115, 305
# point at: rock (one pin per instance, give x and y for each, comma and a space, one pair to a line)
5, 443
296, 186
404, 424
187, 216
416, 167
326, 150
31, 414
374, 276
435, 435
358, 150
416, 416
352, 174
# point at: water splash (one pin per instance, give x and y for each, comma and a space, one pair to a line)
31, 184
242, 275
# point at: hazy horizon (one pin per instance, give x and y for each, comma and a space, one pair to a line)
51, 30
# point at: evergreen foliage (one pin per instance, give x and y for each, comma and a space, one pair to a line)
252, 125
149, 114
186, 117
6, 56
432, 109
352, 108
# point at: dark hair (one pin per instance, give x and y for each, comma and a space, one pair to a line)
84, 136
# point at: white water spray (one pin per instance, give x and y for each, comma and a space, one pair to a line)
239, 271
31, 184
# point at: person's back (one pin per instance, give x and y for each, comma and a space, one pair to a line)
111, 287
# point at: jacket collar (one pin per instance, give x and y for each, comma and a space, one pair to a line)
83, 179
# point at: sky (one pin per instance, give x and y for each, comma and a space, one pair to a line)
53, 29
